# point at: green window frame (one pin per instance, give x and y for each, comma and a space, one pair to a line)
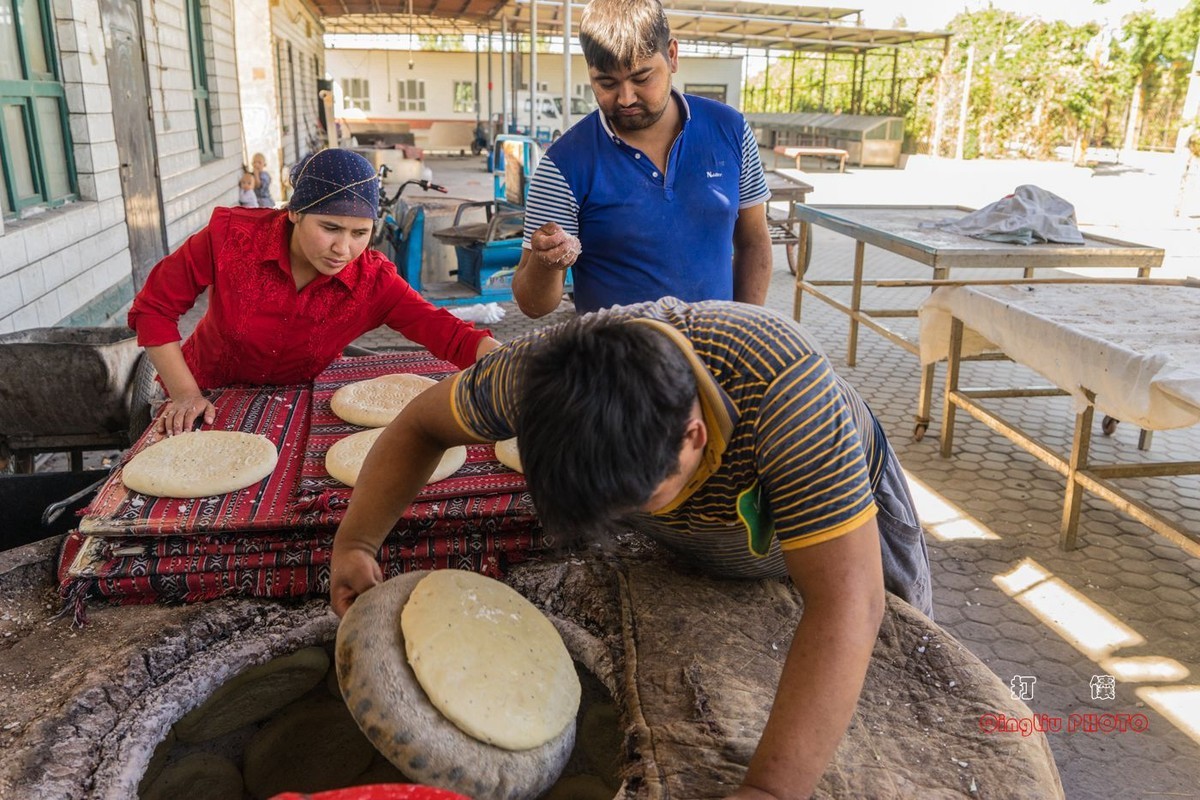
36, 163
201, 99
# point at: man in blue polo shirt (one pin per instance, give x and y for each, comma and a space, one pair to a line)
654, 194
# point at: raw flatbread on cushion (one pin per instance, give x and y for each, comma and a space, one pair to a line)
508, 455
489, 660
345, 459
376, 402
201, 464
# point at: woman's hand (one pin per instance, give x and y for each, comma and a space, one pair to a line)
180, 414
351, 573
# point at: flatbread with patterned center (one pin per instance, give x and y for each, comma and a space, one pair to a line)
376, 402
200, 464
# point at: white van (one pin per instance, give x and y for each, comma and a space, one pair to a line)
549, 122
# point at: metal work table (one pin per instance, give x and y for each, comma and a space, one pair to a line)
897, 229
1132, 353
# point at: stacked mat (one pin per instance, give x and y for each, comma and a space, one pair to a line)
274, 539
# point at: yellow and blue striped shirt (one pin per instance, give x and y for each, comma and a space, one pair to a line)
793, 450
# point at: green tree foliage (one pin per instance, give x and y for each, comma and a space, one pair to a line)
1035, 85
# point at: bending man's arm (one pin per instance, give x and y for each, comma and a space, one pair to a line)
842, 584
752, 262
396, 469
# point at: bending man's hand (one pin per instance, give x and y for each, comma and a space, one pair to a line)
351, 573
556, 248
180, 414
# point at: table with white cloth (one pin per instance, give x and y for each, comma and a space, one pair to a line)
1130, 351
904, 230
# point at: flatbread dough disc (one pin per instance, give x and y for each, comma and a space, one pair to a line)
508, 455
489, 660
345, 458
375, 403
394, 712
200, 464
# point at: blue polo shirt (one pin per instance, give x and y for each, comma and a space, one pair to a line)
645, 234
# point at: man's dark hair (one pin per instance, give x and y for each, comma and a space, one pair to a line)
604, 405
618, 34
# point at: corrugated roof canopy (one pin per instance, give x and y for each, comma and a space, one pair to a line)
733, 24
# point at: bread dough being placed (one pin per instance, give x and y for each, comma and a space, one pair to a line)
375, 403
394, 711
345, 458
508, 455
200, 464
489, 660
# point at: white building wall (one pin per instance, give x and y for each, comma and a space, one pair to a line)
440, 70
57, 260
71, 265
257, 88
299, 60
191, 185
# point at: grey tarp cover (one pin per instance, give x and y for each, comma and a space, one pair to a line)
694, 662
1028, 215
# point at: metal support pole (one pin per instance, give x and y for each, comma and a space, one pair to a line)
504, 74
491, 112
767, 80
533, 72
824, 79
965, 106
567, 92
792, 86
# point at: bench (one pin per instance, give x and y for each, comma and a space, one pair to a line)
799, 152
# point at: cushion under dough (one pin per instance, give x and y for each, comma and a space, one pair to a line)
390, 706
489, 660
376, 402
200, 464
345, 459
508, 454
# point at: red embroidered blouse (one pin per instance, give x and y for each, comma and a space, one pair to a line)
258, 328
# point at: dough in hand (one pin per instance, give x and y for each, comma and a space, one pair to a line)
489, 660
508, 455
376, 402
345, 458
200, 464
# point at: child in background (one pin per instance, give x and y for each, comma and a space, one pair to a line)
263, 188
246, 196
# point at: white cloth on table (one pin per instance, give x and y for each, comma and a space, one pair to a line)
1136, 347
1030, 214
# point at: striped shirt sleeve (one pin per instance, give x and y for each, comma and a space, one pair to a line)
752, 189
484, 398
550, 200
810, 457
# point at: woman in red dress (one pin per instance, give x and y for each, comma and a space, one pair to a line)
288, 290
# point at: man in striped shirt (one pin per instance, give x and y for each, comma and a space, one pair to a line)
716, 428
655, 194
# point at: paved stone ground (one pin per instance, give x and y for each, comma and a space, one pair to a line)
1126, 602
1123, 604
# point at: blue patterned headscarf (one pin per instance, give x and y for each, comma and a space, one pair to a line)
335, 182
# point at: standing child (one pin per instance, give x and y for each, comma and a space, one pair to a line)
246, 196
263, 188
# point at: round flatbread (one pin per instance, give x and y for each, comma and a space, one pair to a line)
375, 403
345, 458
394, 711
200, 464
508, 455
489, 660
